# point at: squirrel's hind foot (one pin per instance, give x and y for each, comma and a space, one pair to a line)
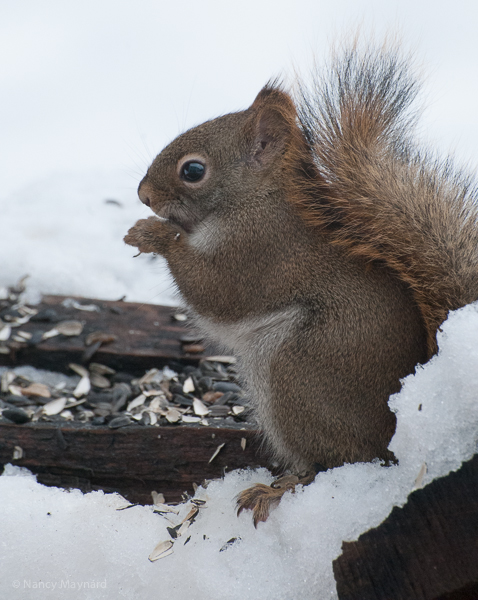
261, 498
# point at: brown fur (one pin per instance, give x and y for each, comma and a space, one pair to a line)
322, 248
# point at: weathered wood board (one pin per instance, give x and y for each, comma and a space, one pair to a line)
427, 550
132, 461
147, 336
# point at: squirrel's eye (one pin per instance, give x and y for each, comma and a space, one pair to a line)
193, 171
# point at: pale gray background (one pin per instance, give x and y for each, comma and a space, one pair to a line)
106, 83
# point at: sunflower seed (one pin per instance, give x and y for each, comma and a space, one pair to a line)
82, 388
160, 507
188, 385
200, 408
100, 369
54, 407
37, 389
79, 370
222, 359
17, 453
138, 401
5, 332
216, 452
162, 550
49, 334
180, 317
173, 415
101, 337
190, 419
70, 328
99, 381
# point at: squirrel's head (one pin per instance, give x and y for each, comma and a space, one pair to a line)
225, 163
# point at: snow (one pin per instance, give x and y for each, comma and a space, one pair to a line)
67, 234
60, 544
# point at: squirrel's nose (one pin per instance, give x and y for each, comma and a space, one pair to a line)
143, 194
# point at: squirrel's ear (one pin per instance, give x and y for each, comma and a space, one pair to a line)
274, 117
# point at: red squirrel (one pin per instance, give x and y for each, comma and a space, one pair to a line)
316, 241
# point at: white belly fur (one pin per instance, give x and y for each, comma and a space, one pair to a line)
254, 342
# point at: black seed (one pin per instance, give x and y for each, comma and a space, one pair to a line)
37, 337
16, 415
182, 400
121, 378
204, 384
219, 410
119, 422
226, 386
48, 315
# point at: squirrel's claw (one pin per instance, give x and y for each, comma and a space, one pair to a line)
261, 498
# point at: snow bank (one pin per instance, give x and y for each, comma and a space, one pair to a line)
67, 233
58, 544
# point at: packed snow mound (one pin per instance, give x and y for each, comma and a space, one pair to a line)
58, 544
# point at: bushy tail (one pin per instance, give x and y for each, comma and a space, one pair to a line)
386, 199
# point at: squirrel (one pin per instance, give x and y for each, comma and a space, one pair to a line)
317, 241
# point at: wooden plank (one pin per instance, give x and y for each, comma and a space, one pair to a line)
133, 460
147, 336
427, 550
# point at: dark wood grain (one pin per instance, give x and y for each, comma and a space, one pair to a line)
146, 336
133, 461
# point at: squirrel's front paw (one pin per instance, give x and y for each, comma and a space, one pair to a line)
149, 235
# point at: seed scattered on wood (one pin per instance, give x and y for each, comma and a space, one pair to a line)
180, 317
16, 415
222, 359
5, 332
153, 417
37, 389
188, 385
173, 415
157, 498
71, 303
7, 379
100, 369
82, 388
17, 453
200, 408
102, 337
26, 335
149, 377
79, 370
69, 328
190, 419
212, 397
99, 381
119, 422
243, 443
193, 348
54, 407
49, 334
218, 449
